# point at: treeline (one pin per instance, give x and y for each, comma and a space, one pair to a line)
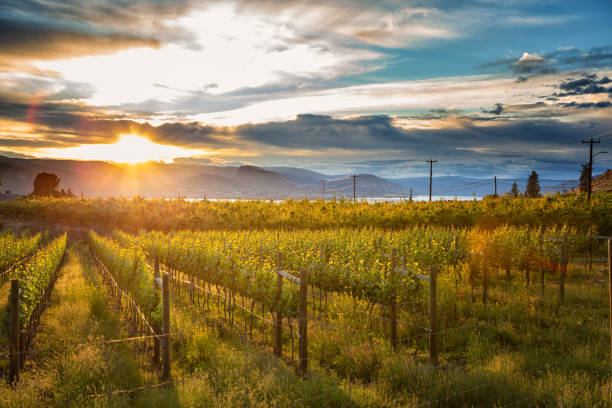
169, 215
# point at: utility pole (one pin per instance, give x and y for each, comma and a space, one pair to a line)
495, 182
431, 162
323, 193
591, 141
354, 176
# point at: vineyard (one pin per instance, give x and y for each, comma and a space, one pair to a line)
515, 315
175, 215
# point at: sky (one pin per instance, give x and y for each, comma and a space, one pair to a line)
487, 88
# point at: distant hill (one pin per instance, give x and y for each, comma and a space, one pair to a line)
301, 177
603, 182
193, 180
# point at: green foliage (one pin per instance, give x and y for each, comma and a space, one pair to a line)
13, 249
163, 215
533, 186
34, 276
133, 274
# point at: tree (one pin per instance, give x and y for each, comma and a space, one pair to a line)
515, 191
45, 184
584, 178
533, 186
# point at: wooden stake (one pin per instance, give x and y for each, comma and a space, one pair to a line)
393, 312
563, 269
303, 322
433, 317
14, 333
610, 292
485, 280
166, 327
278, 329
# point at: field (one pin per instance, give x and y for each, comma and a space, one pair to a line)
169, 303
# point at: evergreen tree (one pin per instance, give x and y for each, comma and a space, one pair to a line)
533, 186
584, 179
515, 191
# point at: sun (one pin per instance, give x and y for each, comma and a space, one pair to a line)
131, 149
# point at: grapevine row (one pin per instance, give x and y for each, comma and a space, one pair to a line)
13, 250
348, 261
36, 279
131, 271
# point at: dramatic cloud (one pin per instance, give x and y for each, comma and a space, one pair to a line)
342, 85
32, 38
557, 61
589, 84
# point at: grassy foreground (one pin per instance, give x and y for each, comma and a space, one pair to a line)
530, 352
70, 365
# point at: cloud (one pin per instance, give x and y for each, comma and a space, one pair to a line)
463, 142
532, 64
589, 84
24, 38
600, 104
497, 109
562, 59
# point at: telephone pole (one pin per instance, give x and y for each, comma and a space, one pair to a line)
323, 193
354, 176
495, 182
591, 141
431, 162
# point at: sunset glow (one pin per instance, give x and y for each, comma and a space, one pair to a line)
336, 87
130, 149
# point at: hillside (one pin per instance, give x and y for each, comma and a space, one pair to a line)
603, 182
193, 180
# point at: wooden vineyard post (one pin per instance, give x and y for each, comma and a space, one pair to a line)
278, 327
393, 311
563, 269
485, 279
156, 342
166, 327
14, 367
610, 292
303, 323
433, 317
541, 260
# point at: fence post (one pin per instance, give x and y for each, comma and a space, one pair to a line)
166, 326
14, 332
156, 266
393, 312
303, 323
278, 329
433, 316
541, 260
485, 279
22, 349
156, 342
610, 292
563, 269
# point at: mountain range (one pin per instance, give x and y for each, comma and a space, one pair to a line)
193, 180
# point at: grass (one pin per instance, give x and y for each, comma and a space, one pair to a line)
521, 349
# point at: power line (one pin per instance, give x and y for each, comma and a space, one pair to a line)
591, 142
431, 161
